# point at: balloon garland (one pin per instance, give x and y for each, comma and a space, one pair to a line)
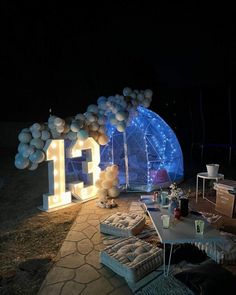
117, 110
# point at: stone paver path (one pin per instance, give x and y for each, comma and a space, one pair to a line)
78, 270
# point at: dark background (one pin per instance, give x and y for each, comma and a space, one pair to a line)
64, 58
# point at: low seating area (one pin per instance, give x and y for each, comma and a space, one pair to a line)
123, 224
132, 258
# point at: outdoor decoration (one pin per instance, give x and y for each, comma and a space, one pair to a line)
126, 132
57, 196
148, 153
107, 185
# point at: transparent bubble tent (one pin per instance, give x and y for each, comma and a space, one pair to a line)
148, 153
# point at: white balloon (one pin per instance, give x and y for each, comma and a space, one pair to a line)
82, 135
92, 108
75, 126
120, 127
22, 147
51, 119
113, 192
21, 162
36, 134
102, 129
33, 166
37, 142
36, 126
60, 128
24, 137
94, 126
37, 157
148, 93
101, 99
72, 135
127, 91
45, 135
80, 117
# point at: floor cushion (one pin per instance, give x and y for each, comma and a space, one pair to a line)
132, 258
123, 224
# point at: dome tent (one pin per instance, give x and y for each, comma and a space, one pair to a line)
148, 153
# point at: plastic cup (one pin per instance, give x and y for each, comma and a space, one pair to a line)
164, 198
165, 221
199, 227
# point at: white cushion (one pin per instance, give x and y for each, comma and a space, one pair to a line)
132, 258
123, 224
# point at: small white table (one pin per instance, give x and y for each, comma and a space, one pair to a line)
182, 231
204, 176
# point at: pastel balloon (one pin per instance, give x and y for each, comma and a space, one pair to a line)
75, 126
148, 93
59, 122
120, 127
37, 142
36, 126
127, 91
80, 117
36, 134
60, 128
94, 126
37, 157
72, 135
21, 162
92, 108
22, 147
45, 135
33, 166
24, 137
103, 139
102, 129
82, 135
94, 134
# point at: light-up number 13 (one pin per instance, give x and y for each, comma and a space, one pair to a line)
54, 150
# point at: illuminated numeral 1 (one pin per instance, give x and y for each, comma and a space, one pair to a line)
90, 166
57, 196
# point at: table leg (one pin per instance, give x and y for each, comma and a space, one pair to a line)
197, 190
203, 191
164, 259
171, 248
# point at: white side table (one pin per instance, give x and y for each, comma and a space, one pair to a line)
204, 176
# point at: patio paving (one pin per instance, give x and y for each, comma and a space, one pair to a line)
77, 269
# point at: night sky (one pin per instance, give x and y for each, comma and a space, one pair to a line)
64, 58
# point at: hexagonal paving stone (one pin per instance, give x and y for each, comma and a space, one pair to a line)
75, 236
101, 285
84, 246
86, 274
97, 238
72, 261
67, 248
93, 259
72, 288
90, 231
106, 272
59, 274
